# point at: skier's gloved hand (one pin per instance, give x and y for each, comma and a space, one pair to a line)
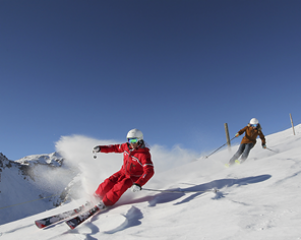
136, 187
264, 146
237, 135
96, 149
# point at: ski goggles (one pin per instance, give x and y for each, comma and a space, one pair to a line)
133, 140
254, 125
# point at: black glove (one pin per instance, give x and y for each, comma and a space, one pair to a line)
96, 149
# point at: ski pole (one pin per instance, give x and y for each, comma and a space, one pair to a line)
271, 150
218, 148
215, 190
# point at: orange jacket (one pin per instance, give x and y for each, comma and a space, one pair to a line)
251, 134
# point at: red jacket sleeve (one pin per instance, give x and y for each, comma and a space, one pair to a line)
148, 170
117, 148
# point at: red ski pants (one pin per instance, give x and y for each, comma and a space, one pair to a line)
113, 187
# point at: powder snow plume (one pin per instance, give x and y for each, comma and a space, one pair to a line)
77, 152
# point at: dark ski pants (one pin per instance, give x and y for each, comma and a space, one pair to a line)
244, 150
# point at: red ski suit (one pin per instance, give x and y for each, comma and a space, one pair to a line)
137, 168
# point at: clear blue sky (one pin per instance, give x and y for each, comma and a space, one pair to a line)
177, 70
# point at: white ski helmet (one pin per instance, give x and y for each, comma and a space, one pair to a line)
254, 121
135, 133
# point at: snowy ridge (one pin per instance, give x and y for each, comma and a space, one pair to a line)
31, 185
259, 199
53, 159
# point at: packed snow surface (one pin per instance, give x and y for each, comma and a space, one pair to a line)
259, 199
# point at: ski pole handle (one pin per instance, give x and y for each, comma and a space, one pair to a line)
95, 151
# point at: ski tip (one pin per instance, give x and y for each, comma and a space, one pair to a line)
70, 225
39, 225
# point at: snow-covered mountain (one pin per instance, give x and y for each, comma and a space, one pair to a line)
32, 184
257, 200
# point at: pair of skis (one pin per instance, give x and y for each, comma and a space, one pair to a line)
73, 217
76, 216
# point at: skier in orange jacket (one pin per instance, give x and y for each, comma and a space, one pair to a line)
252, 130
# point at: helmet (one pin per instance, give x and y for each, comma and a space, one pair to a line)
254, 121
135, 133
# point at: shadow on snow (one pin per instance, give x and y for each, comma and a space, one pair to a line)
165, 197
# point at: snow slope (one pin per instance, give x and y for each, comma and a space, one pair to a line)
259, 199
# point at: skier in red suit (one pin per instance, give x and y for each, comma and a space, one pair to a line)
136, 170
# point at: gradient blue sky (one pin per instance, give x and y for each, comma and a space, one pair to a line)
177, 70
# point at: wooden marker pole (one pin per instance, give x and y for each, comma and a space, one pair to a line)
292, 124
227, 136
